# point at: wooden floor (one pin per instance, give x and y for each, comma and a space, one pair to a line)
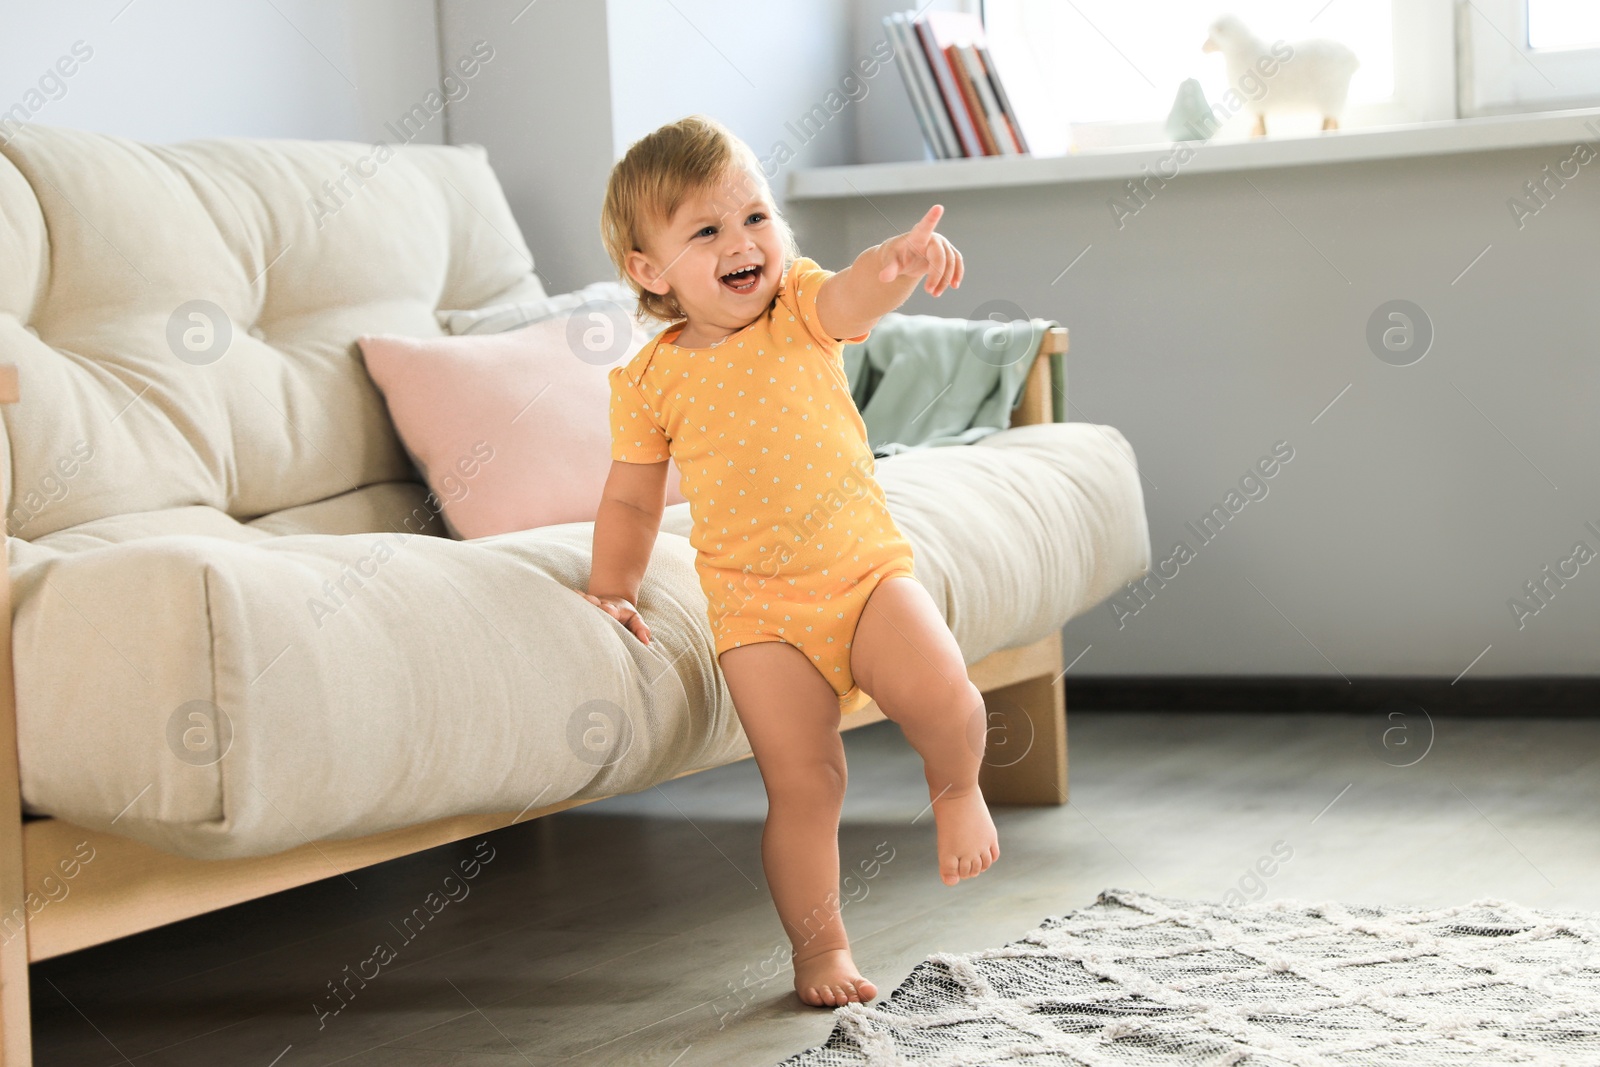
638, 930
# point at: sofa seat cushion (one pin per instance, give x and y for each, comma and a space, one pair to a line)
239, 695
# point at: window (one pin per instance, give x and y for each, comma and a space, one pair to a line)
1113, 67
1528, 55
1562, 24
1116, 65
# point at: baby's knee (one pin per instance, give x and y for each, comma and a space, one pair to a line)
961, 701
808, 783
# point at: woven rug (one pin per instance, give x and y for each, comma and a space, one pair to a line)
1136, 979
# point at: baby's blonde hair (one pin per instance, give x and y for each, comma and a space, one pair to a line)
659, 172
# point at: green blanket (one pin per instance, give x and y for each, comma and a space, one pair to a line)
924, 380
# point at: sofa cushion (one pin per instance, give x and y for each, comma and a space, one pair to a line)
187, 313
511, 430
404, 506
371, 681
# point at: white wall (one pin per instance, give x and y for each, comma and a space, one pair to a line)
170, 70
542, 108
757, 76
1230, 311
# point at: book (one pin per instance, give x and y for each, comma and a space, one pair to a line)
930, 88
999, 128
1005, 101
925, 101
919, 103
960, 117
969, 96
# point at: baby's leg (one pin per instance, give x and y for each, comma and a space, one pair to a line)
791, 716
904, 655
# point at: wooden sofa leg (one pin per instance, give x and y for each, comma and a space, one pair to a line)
1025, 759
16, 1034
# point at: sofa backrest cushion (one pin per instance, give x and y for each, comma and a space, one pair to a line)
183, 317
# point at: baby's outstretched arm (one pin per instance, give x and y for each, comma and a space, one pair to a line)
852, 301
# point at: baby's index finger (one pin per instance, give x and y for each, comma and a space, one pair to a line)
924, 229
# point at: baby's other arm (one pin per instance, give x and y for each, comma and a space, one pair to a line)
852, 301
625, 531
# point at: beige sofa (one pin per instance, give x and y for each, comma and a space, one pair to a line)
189, 733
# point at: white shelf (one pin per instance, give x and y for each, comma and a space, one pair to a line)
1343, 146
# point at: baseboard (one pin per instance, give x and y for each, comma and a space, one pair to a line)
1553, 696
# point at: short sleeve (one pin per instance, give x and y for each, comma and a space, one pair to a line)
804, 282
636, 437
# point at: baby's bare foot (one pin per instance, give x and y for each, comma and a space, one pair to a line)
968, 842
830, 978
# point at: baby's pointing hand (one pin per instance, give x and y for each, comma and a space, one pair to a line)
921, 251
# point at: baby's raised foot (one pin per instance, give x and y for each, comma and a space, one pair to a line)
967, 840
830, 978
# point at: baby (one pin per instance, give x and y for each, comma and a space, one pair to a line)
811, 599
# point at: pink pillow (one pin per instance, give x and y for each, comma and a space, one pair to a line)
511, 430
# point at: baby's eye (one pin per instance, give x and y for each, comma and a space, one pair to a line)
759, 216
706, 231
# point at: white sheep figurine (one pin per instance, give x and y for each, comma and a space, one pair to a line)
1316, 77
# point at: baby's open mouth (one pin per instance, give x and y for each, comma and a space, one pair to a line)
743, 280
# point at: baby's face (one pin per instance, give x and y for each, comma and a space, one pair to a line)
722, 253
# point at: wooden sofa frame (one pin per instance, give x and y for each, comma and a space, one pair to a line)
131, 887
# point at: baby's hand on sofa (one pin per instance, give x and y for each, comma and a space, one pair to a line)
623, 611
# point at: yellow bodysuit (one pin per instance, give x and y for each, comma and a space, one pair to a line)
792, 533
